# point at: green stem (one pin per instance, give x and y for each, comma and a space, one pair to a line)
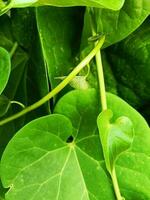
104, 103
14, 48
100, 72
101, 80
115, 185
56, 90
18, 103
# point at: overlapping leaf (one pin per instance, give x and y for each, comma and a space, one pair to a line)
39, 163
66, 169
110, 4
116, 137
117, 25
131, 66
59, 39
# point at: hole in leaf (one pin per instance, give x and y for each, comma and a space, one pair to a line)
70, 139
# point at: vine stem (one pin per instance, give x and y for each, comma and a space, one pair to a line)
115, 185
58, 88
100, 71
101, 81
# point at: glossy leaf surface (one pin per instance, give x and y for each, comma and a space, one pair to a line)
42, 146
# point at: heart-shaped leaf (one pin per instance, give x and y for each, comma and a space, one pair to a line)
82, 108
5, 68
115, 137
39, 159
52, 158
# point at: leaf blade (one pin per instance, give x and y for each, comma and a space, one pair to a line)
5, 68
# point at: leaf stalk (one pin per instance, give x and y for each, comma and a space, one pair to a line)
115, 185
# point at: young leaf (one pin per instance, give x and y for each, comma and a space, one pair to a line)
115, 137
5, 68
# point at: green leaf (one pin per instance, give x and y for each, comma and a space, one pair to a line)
24, 26
5, 6
75, 169
41, 147
117, 25
79, 107
6, 133
6, 40
38, 81
130, 64
82, 108
19, 58
4, 105
36, 78
115, 137
5, 68
59, 39
19, 62
96, 3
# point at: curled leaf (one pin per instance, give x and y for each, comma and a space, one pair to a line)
115, 137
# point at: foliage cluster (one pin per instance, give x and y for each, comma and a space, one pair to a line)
74, 99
